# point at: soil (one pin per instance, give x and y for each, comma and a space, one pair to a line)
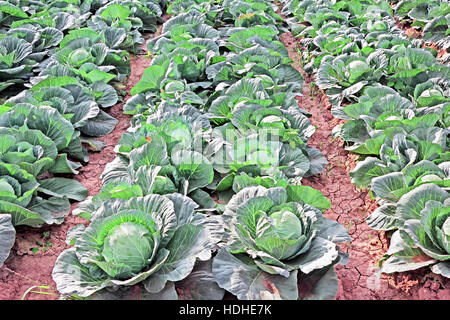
409, 31
350, 206
34, 254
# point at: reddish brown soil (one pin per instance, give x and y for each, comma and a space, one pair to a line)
31, 264
350, 207
409, 31
440, 52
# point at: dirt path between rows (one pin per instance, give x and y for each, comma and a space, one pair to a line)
350, 207
34, 254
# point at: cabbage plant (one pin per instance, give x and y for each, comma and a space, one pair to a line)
381, 111
86, 53
253, 61
291, 125
274, 238
16, 65
266, 36
121, 21
421, 218
409, 67
260, 89
42, 38
432, 93
30, 149
24, 116
394, 185
343, 76
333, 39
398, 150
248, 13
189, 59
153, 240
62, 14
35, 202
10, 12
273, 151
209, 8
172, 139
183, 27
26, 201
430, 15
17, 189
163, 85
77, 103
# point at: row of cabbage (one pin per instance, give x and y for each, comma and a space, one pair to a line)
431, 17
205, 195
67, 55
394, 96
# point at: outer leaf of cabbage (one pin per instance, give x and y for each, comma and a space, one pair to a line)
7, 237
248, 282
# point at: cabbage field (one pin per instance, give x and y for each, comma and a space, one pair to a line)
224, 150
